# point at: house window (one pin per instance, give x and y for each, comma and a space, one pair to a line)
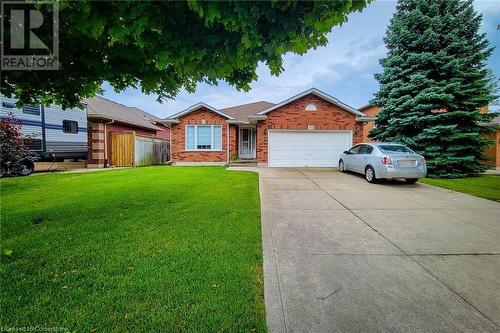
311, 107
203, 137
70, 126
31, 109
33, 144
9, 105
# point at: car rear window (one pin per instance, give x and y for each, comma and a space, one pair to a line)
395, 149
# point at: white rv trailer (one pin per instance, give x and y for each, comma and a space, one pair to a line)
56, 134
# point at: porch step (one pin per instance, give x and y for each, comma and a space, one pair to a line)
244, 163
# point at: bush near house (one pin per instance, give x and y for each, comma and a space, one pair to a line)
13, 149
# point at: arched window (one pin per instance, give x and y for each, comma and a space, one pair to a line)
311, 107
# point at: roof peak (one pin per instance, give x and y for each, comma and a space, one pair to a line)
318, 93
195, 107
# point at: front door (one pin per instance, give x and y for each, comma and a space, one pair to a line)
247, 142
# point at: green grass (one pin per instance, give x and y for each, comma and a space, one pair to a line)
485, 186
143, 249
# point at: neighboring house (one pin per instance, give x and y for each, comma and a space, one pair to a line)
310, 129
108, 119
493, 153
371, 112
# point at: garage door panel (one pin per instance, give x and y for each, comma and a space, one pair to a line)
307, 149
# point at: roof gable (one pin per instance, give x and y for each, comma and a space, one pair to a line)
320, 94
196, 107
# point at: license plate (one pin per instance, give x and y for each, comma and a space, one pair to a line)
407, 163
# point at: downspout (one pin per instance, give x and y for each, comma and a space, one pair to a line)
227, 144
106, 162
169, 143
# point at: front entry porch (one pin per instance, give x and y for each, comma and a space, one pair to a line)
246, 143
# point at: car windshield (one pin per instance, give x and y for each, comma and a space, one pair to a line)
395, 149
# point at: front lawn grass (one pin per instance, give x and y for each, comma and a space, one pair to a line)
484, 186
144, 249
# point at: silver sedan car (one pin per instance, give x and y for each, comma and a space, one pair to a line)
384, 160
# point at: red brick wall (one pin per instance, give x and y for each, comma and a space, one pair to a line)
233, 130
293, 116
371, 111
164, 133
95, 155
493, 152
118, 127
179, 153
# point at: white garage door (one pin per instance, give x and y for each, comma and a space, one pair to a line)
307, 148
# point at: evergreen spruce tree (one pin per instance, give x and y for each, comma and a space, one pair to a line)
434, 82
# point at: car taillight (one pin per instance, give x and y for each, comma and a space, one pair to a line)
386, 159
422, 160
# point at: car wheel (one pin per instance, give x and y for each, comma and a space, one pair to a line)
411, 180
370, 175
25, 168
341, 166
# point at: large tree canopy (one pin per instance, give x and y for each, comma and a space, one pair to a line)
433, 84
167, 45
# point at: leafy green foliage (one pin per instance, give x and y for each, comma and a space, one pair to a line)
167, 45
434, 83
149, 249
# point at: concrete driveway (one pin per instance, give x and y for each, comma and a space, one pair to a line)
342, 255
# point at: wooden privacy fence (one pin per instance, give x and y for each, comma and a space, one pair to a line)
122, 149
150, 151
126, 149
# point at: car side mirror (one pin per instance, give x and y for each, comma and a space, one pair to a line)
346, 152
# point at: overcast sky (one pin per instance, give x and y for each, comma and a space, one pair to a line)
344, 68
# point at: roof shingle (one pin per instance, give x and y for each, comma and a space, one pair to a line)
241, 112
100, 107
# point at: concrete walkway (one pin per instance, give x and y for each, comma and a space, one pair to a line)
342, 255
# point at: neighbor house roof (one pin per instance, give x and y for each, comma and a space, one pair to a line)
320, 94
152, 118
364, 107
102, 108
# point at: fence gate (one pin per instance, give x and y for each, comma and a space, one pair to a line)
150, 151
122, 149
